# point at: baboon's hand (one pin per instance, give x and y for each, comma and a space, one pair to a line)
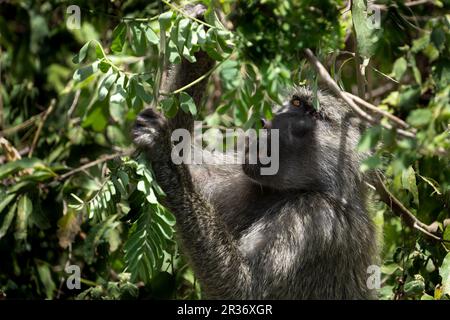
151, 132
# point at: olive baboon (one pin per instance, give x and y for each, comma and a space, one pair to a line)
303, 233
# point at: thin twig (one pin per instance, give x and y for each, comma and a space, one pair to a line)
373, 108
400, 210
202, 77
74, 103
382, 89
40, 126
418, 2
21, 126
94, 163
325, 76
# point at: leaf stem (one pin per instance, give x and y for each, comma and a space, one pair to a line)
199, 79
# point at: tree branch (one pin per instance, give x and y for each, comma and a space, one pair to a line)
385, 195
325, 76
40, 126
94, 163
401, 211
373, 108
21, 126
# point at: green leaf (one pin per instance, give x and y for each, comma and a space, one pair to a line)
165, 19
201, 34
139, 255
446, 237
138, 43
140, 92
165, 230
409, 97
426, 297
116, 134
151, 197
169, 107
183, 32
85, 72
369, 139
366, 35
420, 117
81, 54
399, 68
221, 36
99, 53
414, 287
123, 179
15, 166
118, 37
45, 276
187, 103
444, 272
151, 36
166, 216
438, 37
106, 85
39, 217
409, 183
104, 66
7, 220
24, 209
5, 201
97, 118
420, 43
211, 46
147, 190
172, 51
369, 163
192, 38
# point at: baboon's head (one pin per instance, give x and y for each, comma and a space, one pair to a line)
317, 148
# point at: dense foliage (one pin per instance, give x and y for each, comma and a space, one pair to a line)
72, 192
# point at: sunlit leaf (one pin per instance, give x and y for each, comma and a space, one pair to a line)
444, 272
81, 54
118, 37
24, 209
187, 104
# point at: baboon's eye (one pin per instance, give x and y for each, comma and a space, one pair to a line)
296, 102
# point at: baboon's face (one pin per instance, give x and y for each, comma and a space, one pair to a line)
315, 146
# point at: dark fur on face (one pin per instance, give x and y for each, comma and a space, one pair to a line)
316, 147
